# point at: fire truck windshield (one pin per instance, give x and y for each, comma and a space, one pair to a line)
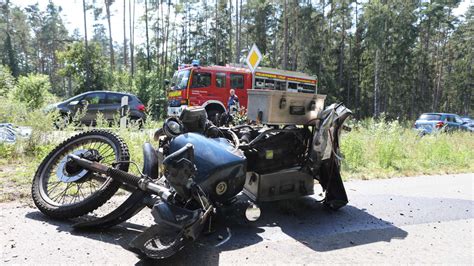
180, 80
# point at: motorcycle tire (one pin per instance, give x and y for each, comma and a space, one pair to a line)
48, 205
159, 241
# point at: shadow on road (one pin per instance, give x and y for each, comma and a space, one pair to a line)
118, 235
304, 220
320, 229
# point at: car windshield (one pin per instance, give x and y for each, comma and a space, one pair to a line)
430, 117
180, 80
75, 98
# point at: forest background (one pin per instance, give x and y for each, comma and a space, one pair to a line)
398, 58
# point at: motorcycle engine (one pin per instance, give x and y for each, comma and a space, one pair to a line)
278, 150
194, 119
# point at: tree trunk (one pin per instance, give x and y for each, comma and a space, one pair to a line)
322, 44
284, 62
376, 82
85, 23
162, 44
157, 39
439, 77
167, 38
148, 59
357, 47
296, 37
69, 86
424, 64
217, 34
466, 105
131, 17
237, 32
87, 66
349, 80
111, 46
230, 32
125, 46
240, 30
12, 62
341, 51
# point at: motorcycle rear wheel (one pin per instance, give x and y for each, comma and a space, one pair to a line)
80, 191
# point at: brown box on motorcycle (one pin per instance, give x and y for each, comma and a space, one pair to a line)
283, 107
284, 184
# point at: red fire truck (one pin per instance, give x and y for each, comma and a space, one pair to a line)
209, 86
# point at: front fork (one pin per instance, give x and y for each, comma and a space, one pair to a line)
192, 229
142, 183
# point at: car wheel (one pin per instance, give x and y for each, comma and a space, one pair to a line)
62, 121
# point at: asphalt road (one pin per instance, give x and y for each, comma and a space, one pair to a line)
426, 219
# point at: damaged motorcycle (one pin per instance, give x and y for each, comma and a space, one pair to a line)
198, 168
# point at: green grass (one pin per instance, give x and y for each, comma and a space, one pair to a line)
371, 150
18, 162
386, 149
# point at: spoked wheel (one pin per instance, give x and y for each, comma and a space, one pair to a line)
62, 189
159, 241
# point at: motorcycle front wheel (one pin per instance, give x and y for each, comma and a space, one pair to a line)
61, 189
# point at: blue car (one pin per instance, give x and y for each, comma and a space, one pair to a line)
434, 122
469, 123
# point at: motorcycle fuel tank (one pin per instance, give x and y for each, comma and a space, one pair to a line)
221, 168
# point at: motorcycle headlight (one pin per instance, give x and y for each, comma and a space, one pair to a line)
172, 128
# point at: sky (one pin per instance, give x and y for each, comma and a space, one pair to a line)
73, 18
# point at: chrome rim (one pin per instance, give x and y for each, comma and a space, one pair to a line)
60, 186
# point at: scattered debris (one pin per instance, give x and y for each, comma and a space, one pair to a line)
10, 133
226, 239
7, 134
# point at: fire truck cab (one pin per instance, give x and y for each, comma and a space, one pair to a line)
209, 86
